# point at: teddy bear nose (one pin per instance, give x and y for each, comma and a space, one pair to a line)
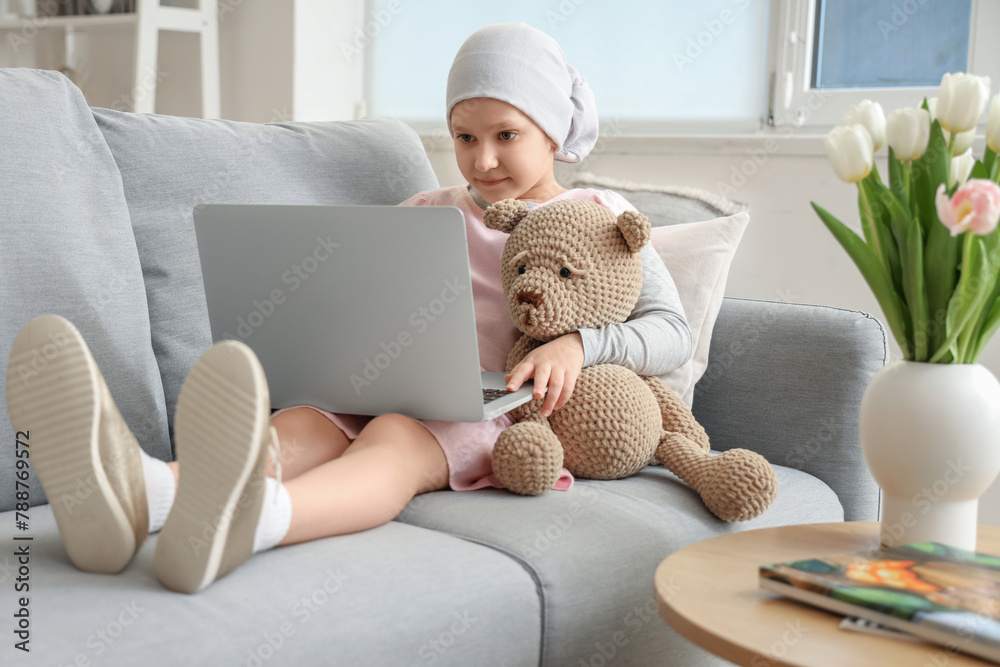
529, 296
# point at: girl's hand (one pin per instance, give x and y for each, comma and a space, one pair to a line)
555, 366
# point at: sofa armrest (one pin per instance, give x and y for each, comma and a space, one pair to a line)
786, 380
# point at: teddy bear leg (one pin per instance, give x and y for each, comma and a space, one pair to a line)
677, 416
736, 485
528, 457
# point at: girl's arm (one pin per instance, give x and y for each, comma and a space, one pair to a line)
656, 338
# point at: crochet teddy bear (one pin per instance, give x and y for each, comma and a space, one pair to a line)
572, 264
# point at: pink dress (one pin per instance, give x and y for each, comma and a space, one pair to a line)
468, 446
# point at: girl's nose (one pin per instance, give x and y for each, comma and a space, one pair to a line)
486, 159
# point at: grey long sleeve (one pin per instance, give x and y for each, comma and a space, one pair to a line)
656, 338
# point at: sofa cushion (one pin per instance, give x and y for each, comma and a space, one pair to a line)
594, 548
67, 248
170, 164
393, 595
698, 256
664, 204
786, 381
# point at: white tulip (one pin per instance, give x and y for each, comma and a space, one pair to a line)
961, 167
963, 140
962, 100
993, 125
907, 132
870, 115
849, 148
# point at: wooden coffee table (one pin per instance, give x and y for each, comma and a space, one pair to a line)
709, 593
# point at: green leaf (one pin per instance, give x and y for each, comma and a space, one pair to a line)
990, 324
941, 250
979, 171
989, 317
909, 235
897, 178
992, 163
896, 313
930, 170
974, 287
880, 221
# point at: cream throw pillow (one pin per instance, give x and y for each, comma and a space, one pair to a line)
698, 256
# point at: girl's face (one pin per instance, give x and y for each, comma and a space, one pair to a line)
501, 152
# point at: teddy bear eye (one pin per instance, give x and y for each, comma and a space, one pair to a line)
520, 269
564, 272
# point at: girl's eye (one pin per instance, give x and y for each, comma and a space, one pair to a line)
507, 135
564, 272
464, 138
520, 269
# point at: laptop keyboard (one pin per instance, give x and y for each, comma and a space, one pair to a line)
493, 394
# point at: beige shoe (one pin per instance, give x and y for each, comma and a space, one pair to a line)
87, 459
221, 429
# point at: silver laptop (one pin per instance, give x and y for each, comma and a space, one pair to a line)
353, 309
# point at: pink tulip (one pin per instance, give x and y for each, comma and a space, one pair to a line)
975, 206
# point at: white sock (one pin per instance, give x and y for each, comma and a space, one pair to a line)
160, 490
275, 516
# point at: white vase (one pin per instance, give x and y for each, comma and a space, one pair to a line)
930, 434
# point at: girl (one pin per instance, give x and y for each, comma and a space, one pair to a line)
513, 107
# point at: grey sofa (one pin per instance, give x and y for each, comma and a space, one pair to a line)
96, 224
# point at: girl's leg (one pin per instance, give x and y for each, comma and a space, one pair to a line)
393, 459
308, 439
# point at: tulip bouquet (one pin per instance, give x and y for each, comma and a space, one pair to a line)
931, 247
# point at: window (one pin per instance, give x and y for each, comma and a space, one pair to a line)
654, 66
830, 54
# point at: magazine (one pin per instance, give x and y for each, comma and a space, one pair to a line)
856, 624
940, 593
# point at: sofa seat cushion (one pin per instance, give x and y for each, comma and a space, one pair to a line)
67, 248
594, 548
168, 165
393, 595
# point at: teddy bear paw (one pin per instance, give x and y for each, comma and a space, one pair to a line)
742, 485
527, 458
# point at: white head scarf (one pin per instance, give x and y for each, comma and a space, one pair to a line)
524, 67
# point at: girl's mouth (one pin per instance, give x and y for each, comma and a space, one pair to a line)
491, 183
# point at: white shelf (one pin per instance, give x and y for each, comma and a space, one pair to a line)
146, 23
74, 22
168, 18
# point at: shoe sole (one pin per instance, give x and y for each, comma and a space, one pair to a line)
54, 393
221, 434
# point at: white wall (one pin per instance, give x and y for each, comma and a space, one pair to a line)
786, 254
285, 60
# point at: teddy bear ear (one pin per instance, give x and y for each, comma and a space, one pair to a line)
635, 228
505, 214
